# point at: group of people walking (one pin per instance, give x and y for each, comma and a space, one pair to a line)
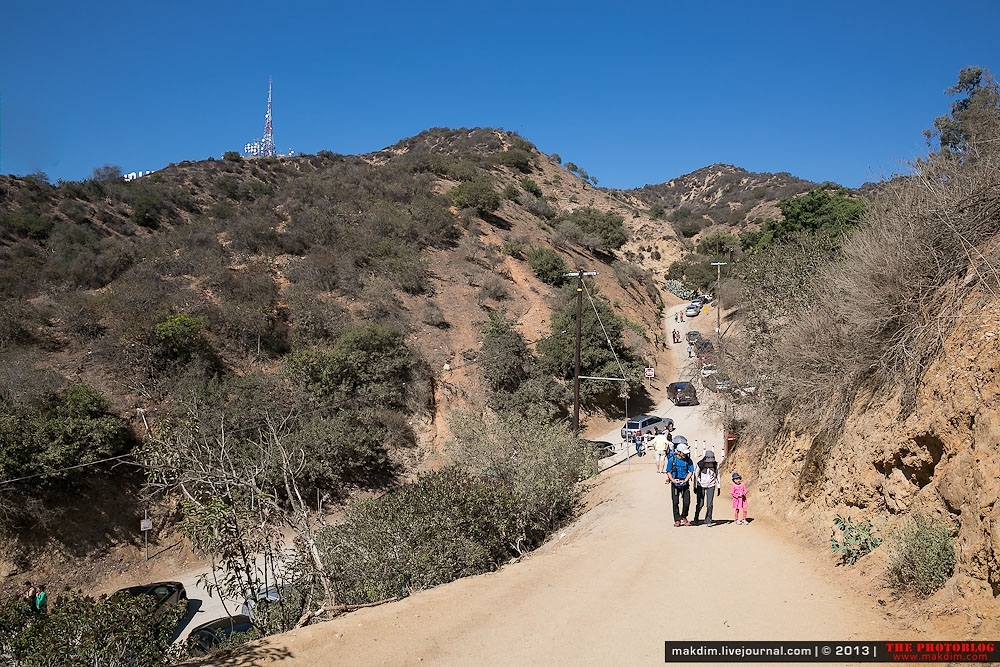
683, 474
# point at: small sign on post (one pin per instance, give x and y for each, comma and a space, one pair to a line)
146, 525
650, 373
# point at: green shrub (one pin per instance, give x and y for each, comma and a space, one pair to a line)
476, 194
602, 230
689, 229
180, 338
515, 158
446, 525
548, 265
531, 186
370, 365
511, 192
921, 555
858, 539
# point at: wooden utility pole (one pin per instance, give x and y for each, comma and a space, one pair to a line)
578, 274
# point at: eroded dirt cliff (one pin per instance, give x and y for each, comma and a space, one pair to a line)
940, 459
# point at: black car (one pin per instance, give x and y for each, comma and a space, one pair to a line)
703, 345
206, 636
682, 393
164, 593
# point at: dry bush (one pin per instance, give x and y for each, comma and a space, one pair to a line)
886, 305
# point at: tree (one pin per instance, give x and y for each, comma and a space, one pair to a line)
505, 359
603, 353
976, 113
107, 173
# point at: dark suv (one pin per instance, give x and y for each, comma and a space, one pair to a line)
646, 425
682, 393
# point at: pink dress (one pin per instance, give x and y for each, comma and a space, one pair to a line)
739, 496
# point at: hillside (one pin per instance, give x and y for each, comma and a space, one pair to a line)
201, 285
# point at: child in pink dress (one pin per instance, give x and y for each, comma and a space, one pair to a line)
739, 493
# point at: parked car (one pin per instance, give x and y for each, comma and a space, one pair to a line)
705, 358
705, 298
682, 393
692, 336
718, 382
602, 448
692, 310
708, 369
164, 593
703, 345
206, 636
646, 425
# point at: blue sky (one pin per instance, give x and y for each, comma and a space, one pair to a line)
632, 92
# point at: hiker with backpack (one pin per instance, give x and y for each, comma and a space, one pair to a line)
680, 472
707, 486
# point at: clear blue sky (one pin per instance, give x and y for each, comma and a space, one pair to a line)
632, 92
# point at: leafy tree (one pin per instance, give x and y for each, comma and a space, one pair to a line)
976, 112
817, 211
557, 351
46, 437
107, 174
505, 359
717, 244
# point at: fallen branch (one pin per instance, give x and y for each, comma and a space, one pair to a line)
338, 609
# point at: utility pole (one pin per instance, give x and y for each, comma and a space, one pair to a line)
578, 274
718, 300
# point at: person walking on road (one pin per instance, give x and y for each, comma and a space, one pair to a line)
707, 486
660, 445
739, 493
690, 350
680, 471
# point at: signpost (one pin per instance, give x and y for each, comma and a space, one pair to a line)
145, 526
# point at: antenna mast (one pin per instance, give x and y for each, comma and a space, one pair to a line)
267, 144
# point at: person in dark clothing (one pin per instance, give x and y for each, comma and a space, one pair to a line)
680, 472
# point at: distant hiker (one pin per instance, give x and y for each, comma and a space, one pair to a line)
690, 350
707, 486
661, 442
681, 313
675, 317
638, 444
739, 493
41, 599
680, 471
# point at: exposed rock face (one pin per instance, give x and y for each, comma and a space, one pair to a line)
942, 459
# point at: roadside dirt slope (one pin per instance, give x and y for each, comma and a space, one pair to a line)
609, 589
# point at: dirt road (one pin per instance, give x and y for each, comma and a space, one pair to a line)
607, 591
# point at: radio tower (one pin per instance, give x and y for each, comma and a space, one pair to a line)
267, 144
